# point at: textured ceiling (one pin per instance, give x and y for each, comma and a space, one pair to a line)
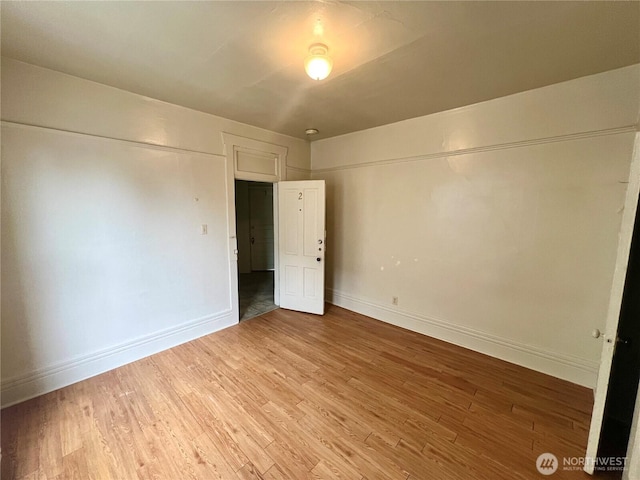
392, 60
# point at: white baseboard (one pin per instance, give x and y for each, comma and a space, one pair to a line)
23, 387
576, 370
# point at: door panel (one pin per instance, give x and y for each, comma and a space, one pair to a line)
290, 221
625, 368
301, 211
291, 280
310, 284
615, 304
310, 228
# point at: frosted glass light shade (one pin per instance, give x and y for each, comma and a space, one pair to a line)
318, 65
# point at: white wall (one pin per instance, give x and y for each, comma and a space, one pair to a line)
495, 224
103, 261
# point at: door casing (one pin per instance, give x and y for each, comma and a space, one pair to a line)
271, 170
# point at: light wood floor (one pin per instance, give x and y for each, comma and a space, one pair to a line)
296, 396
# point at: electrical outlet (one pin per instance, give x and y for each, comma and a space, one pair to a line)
394, 301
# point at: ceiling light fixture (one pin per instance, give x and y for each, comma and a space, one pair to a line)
318, 64
312, 131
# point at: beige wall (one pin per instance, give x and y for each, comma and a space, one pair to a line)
495, 224
103, 260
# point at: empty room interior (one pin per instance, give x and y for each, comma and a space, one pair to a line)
320, 240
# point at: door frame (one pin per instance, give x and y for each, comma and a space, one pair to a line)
272, 170
613, 314
633, 448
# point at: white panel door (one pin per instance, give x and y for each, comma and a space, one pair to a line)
301, 218
613, 315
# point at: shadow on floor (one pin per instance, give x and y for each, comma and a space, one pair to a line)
255, 294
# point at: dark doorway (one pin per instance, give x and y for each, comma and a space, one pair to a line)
255, 235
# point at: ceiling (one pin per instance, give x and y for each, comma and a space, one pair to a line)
392, 60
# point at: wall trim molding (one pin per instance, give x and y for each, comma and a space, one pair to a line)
135, 143
234, 144
44, 380
487, 148
299, 169
568, 367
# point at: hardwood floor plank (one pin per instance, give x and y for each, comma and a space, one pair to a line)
249, 472
122, 440
469, 462
332, 449
21, 431
240, 407
288, 434
52, 425
333, 410
419, 431
230, 438
443, 379
297, 396
412, 461
75, 465
275, 473
288, 461
9, 441
325, 470
501, 419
